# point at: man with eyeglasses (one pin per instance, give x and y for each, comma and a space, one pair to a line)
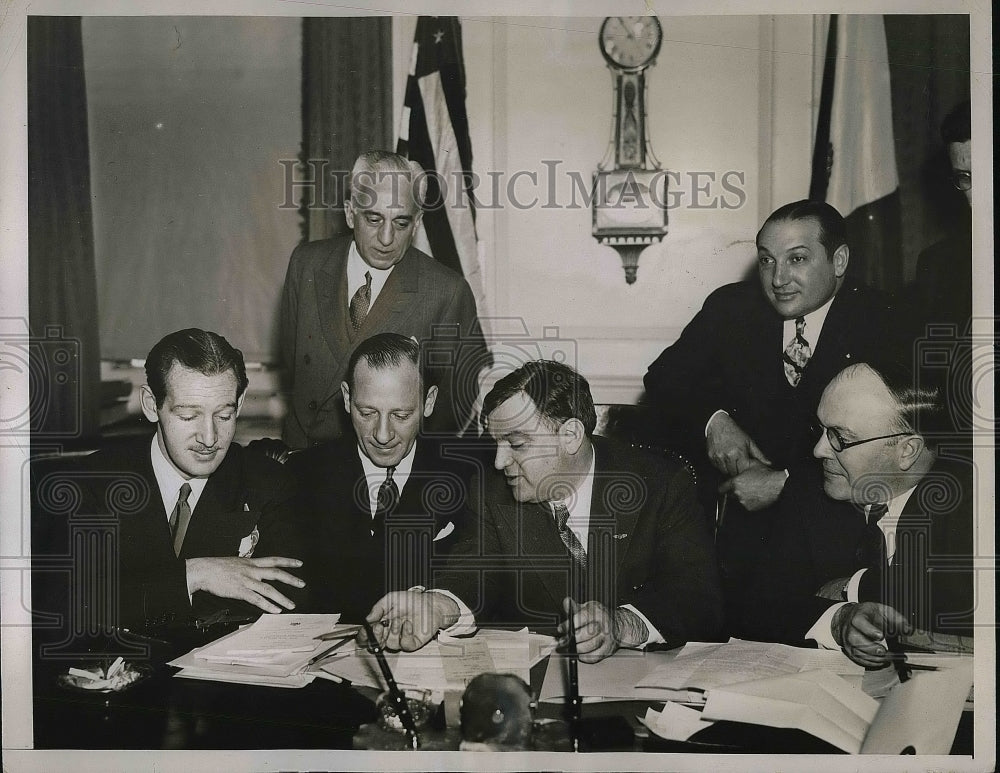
881, 543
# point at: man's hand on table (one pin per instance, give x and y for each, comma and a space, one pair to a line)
729, 448
245, 579
757, 487
406, 620
599, 630
860, 629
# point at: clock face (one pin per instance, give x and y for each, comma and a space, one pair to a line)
631, 42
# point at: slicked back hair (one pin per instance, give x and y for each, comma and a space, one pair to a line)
374, 166
558, 392
957, 125
203, 351
389, 350
832, 228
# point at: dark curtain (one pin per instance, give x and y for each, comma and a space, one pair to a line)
64, 354
346, 109
929, 62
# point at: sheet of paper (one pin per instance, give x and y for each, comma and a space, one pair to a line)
921, 714
360, 668
275, 633
295, 681
675, 722
463, 661
614, 678
817, 702
743, 661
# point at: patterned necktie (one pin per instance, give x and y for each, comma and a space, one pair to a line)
796, 354
180, 517
385, 503
361, 302
567, 535
872, 553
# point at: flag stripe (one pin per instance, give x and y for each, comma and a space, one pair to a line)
435, 133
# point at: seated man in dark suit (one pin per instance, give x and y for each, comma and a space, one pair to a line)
382, 500
740, 387
573, 518
340, 291
181, 524
884, 542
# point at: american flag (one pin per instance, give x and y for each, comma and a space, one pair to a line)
434, 132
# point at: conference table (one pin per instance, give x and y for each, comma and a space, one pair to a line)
165, 712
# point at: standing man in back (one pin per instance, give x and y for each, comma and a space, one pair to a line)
340, 291
739, 388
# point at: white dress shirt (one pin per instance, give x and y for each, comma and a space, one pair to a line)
375, 476
169, 480
356, 269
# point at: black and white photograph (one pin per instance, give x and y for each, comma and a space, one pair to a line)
444, 386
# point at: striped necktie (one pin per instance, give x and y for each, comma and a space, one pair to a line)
567, 535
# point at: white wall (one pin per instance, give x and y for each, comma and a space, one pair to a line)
719, 100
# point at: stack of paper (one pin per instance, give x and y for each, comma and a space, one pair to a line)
276, 651
614, 679
919, 716
449, 663
702, 666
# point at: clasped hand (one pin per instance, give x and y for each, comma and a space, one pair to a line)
750, 480
245, 579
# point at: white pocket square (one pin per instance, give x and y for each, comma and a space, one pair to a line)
621, 536
249, 543
448, 529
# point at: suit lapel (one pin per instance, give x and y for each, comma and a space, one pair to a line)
223, 515
331, 301
604, 515
396, 298
831, 353
540, 545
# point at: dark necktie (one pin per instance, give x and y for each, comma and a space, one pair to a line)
361, 302
567, 535
180, 517
385, 503
872, 553
796, 354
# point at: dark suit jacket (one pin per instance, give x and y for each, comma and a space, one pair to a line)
729, 357
103, 521
648, 538
816, 539
347, 569
942, 286
421, 298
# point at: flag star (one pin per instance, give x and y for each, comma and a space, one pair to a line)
438, 36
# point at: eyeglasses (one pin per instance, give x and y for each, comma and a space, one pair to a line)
838, 444
962, 180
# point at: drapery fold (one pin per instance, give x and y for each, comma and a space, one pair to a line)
64, 352
346, 109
